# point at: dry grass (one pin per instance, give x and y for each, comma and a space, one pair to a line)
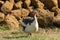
42, 34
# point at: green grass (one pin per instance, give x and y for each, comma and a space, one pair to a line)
51, 34
35, 37
4, 27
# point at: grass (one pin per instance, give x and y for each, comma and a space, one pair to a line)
4, 27
35, 37
50, 34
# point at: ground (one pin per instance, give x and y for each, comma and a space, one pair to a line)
36, 37
42, 34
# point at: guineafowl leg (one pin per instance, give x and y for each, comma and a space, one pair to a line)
29, 34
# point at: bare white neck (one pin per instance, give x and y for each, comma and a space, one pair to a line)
35, 16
